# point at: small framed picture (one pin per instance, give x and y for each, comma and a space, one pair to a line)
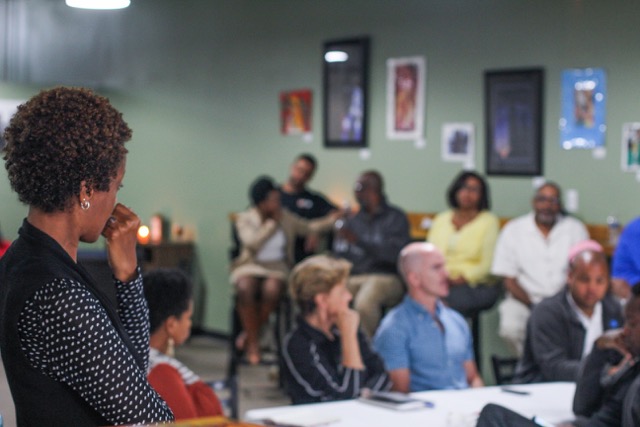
458, 142
295, 112
631, 147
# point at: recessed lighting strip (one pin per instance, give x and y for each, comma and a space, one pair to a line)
98, 4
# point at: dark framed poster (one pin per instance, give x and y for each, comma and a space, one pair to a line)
346, 76
513, 121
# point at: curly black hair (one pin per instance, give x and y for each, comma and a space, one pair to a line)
168, 292
58, 139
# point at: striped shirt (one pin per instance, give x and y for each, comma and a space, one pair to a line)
314, 371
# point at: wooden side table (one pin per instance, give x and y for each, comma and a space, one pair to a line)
167, 255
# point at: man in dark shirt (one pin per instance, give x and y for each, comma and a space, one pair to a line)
297, 198
372, 240
605, 390
562, 328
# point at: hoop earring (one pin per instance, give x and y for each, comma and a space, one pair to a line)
84, 204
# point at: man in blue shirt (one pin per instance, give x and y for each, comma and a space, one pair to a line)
626, 261
426, 345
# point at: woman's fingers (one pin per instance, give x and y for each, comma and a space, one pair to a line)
121, 234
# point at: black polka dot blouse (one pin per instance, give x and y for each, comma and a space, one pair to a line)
66, 334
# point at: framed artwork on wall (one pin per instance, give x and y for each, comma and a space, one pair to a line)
458, 142
631, 147
584, 96
405, 97
295, 112
513, 121
346, 76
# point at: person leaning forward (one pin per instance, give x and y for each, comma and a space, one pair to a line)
606, 385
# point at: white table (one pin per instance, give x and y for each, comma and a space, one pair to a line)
550, 401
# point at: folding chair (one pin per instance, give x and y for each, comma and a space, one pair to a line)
504, 368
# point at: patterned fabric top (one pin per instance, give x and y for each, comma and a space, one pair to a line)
66, 334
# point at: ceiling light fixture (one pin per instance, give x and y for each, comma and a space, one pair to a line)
98, 4
336, 56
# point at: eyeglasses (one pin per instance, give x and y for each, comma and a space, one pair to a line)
546, 199
471, 188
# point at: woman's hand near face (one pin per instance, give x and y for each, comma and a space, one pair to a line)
348, 321
121, 235
613, 339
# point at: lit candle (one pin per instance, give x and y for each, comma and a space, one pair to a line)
143, 235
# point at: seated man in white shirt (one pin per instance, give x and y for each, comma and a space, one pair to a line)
563, 328
531, 255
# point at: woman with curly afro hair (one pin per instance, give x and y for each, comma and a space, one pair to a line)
71, 355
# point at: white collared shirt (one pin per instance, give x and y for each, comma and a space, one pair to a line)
592, 325
539, 264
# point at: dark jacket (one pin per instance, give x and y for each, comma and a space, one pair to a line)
555, 339
33, 261
631, 405
380, 237
599, 397
313, 370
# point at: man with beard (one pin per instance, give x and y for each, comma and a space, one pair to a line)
371, 240
297, 198
531, 255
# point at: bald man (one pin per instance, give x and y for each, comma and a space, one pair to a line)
371, 241
562, 329
426, 345
605, 390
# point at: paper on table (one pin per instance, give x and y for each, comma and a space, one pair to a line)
301, 419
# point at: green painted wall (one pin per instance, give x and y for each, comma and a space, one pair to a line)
198, 81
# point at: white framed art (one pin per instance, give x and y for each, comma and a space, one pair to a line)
405, 97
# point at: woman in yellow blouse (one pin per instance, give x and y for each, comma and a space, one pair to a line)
466, 234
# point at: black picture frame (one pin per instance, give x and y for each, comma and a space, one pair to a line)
346, 95
513, 121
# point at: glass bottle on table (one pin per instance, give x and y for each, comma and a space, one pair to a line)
340, 244
614, 228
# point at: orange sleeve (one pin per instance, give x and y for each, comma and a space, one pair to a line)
166, 380
204, 399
